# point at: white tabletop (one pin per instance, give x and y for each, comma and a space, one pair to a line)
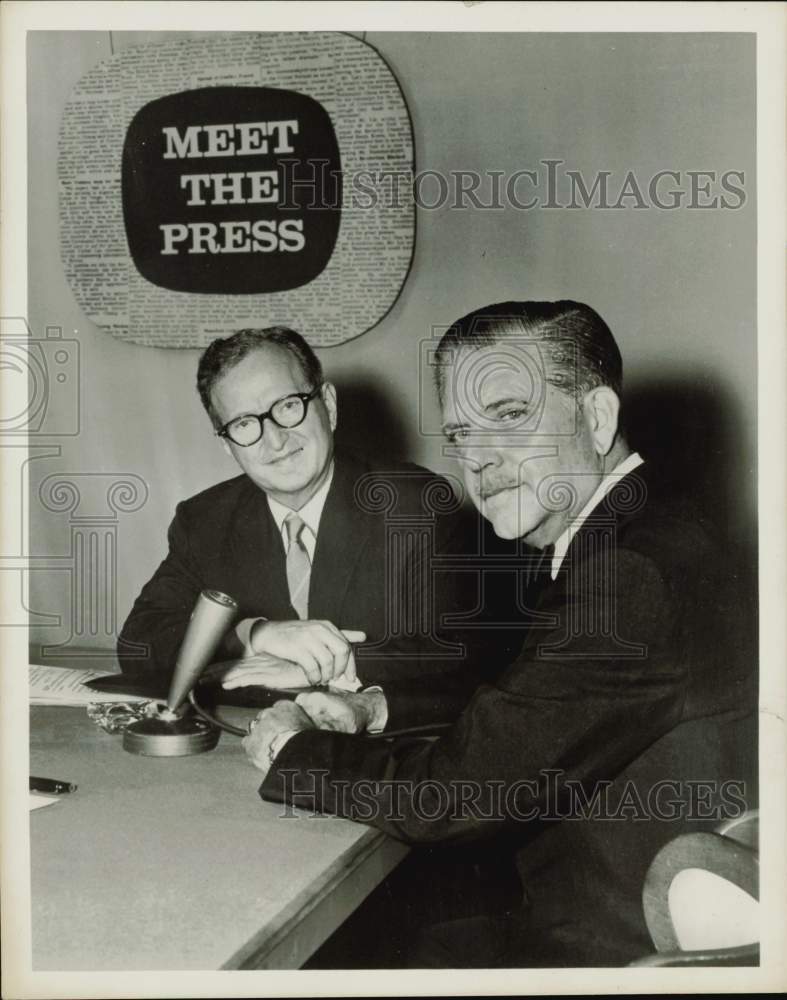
176, 863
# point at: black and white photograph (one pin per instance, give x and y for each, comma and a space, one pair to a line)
393, 442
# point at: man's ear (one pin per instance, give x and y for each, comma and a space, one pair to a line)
328, 393
226, 446
601, 407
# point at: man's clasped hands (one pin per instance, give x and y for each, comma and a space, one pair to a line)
304, 654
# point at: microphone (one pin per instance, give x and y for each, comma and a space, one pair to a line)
171, 734
210, 619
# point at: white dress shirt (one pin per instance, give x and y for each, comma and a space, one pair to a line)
631, 462
310, 514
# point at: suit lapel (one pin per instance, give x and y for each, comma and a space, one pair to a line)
259, 556
342, 538
623, 500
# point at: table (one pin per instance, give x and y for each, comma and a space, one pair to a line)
176, 863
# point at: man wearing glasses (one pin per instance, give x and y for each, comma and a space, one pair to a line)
302, 540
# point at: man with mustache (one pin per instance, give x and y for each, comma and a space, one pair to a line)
630, 692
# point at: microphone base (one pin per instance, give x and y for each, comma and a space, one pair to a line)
170, 738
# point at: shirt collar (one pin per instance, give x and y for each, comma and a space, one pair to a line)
310, 513
631, 462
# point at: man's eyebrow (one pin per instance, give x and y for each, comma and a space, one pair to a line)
450, 428
256, 412
498, 403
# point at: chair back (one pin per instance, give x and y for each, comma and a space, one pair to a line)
700, 897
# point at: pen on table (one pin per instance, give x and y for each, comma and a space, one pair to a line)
51, 785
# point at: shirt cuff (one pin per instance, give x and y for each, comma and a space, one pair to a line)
243, 634
381, 719
279, 741
343, 683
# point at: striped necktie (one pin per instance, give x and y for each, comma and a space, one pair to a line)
299, 566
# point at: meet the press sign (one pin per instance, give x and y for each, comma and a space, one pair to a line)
231, 190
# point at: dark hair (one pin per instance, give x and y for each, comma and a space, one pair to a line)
593, 357
224, 353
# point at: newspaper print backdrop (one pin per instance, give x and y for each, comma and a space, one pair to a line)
214, 183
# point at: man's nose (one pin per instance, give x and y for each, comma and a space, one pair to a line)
273, 435
478, 456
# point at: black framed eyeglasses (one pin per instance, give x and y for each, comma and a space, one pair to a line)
287, 412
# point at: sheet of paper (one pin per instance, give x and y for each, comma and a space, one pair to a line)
66, 686
39, 800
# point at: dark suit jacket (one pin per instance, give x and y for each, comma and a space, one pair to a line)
373, 570
634, 676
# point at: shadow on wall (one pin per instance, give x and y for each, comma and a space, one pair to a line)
687, 427
689, 430
370, 421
